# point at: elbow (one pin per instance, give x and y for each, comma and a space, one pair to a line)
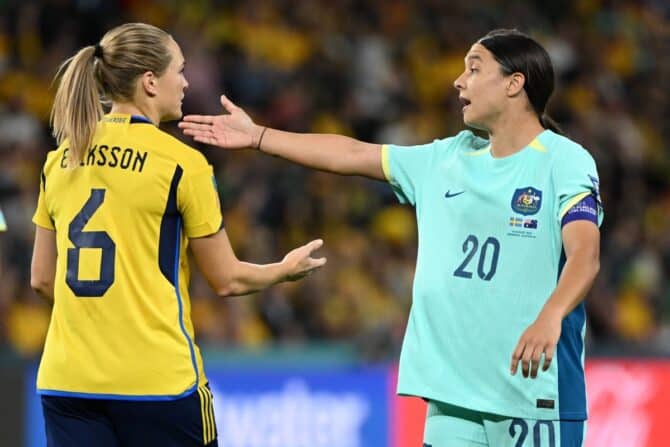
229, 285
227, 289
41, 286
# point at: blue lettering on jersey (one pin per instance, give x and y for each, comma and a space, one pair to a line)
527, 201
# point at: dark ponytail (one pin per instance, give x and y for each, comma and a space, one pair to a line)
549, 123
518, 53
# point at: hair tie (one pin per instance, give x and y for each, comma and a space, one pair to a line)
98, 51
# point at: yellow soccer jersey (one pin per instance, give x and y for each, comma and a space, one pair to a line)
121, 325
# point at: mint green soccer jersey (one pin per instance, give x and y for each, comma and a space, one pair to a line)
490, 254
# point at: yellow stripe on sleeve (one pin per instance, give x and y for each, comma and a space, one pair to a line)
572, 202
386, 165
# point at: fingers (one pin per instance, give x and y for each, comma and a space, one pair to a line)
205, 119
530, 357
204, 139
227, 103
516, 357
194, 126
197, 133
535, 360
314, 245
318, 262
548, 357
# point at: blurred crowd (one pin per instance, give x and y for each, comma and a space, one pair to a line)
382, 71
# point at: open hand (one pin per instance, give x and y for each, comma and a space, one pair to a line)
234, 130
300, 263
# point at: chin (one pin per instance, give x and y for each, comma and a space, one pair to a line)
474, 123
172, 116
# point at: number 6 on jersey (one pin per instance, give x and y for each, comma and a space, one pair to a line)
90, 239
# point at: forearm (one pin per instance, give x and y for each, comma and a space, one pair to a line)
332, 153
248, 278
574, 283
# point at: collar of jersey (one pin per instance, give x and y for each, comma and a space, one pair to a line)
120, 118
536, 145
139, 119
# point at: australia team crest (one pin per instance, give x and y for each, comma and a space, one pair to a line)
527, 201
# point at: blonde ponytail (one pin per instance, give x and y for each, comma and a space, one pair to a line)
77, 108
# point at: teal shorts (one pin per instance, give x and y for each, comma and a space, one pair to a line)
452, 426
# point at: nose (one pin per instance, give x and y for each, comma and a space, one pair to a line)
458, 83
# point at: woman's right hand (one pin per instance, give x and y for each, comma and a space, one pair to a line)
300, 263
234, 130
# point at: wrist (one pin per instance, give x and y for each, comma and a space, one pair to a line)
258, 135
553, 311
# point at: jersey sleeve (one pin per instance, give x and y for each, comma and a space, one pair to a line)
575, 178
405, 167
42, 216
198, 203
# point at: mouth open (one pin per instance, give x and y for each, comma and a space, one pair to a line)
464, 101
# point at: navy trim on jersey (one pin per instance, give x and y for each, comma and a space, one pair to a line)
58, 393
44, 181
168, 243
137, 119
572, 433
169, 247
571, 382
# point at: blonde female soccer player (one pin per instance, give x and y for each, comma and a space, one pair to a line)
120, 202
508, 247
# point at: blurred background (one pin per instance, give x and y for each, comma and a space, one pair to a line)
381, 71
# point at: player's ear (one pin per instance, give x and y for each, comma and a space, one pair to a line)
515, 84
148, 81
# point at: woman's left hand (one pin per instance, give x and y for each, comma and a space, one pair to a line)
540, 338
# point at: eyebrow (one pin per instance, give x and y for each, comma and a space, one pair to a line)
470, 57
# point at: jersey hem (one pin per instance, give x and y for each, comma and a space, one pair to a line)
509, 412
82, 395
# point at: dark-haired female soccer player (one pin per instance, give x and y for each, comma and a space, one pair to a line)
120, 201
508, 248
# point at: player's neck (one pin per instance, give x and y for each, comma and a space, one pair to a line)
129, 108
512, 133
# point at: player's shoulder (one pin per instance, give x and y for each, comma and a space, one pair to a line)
564, 150
189, 158
464, 141
55, 158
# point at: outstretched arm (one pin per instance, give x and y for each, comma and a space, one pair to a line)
332, 153
229, 276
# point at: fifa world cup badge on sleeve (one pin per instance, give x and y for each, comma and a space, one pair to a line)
3, 224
